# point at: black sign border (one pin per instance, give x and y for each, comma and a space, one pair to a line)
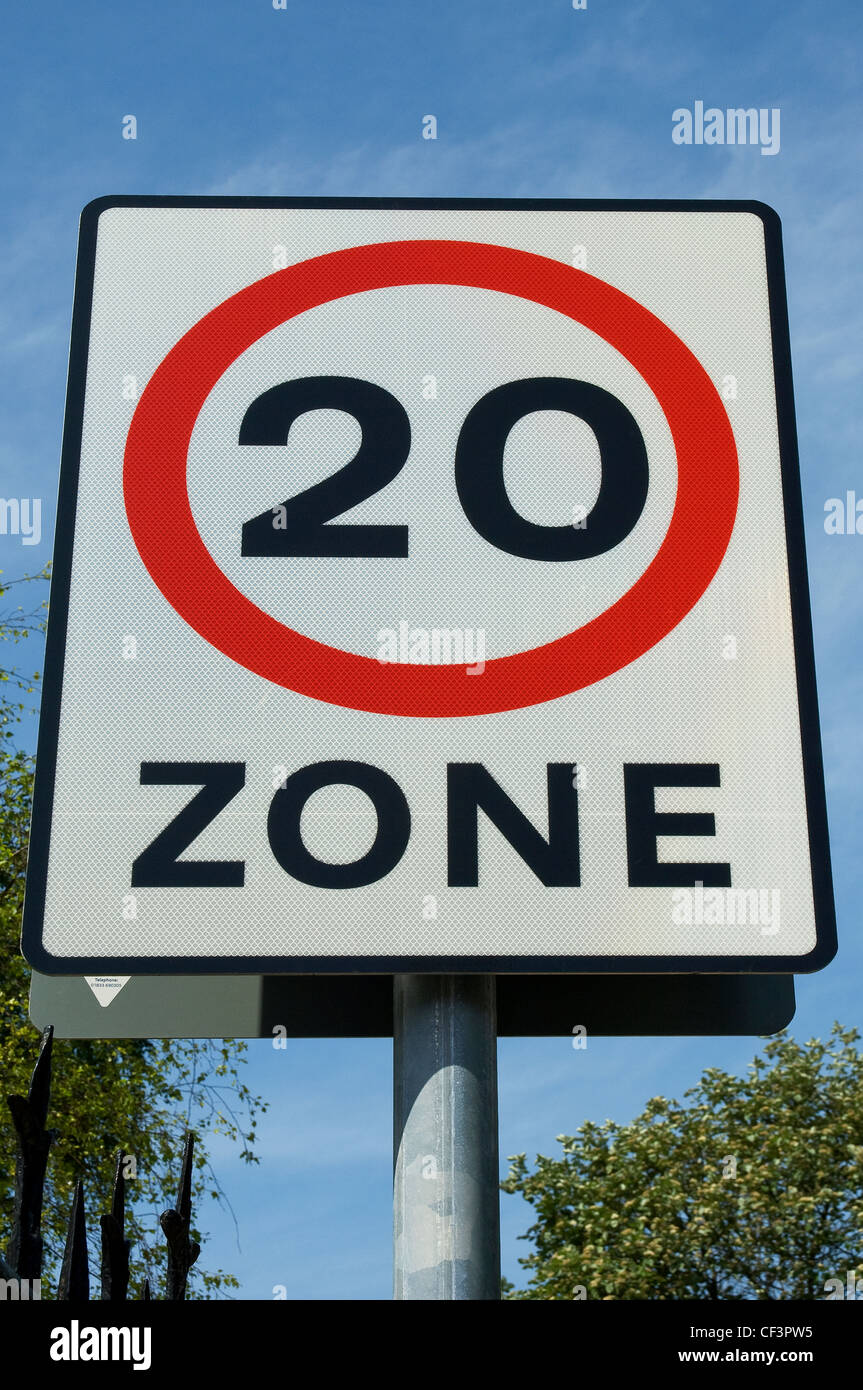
49, 726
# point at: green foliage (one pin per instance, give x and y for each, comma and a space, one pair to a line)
752, 1189
138, 1096
16, 624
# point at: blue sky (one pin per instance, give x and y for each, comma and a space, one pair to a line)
531, 100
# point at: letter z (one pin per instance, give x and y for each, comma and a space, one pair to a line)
159, 866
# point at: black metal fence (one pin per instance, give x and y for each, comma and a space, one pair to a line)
22, 1267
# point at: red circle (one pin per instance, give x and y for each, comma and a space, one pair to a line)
170, 545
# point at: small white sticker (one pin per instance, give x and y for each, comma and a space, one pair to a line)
106, 987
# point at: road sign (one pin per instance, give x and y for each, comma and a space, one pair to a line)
430, 594
361, 1006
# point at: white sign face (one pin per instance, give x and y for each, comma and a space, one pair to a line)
430, 595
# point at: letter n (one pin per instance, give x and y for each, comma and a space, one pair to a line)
471, 788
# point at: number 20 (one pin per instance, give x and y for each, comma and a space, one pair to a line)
384, 448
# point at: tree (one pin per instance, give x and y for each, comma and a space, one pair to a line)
753, 1188
138, 1096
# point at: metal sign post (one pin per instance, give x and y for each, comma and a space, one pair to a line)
446, 1214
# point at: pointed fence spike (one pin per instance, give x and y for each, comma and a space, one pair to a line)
184, 1193
115, 1248
39, 1093
176, 1223
74, 1286
29, 1115
118, 1194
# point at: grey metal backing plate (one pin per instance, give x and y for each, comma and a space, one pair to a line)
353, 1006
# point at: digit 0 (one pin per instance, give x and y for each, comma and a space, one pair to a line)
479, 469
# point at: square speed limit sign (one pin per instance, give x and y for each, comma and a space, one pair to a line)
429, 594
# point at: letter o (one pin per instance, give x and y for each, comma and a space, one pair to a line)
391, 809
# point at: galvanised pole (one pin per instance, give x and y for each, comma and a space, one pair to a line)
446, 1212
